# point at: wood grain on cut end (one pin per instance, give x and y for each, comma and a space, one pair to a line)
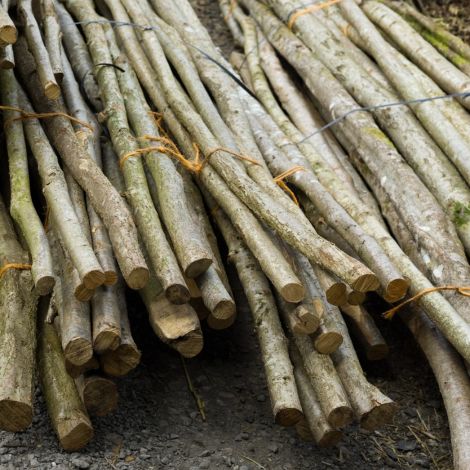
328, 343
330, 438
15, 416
288, 416
94, 279
110, 278
8, 34
74, 434
337, 294
224, 309
78, 351
379, 416
293, 292
137, 278
44, 285
83, 294
340, 417
107, 340
100, 395
303, 430
366, 282
178, 294
356, 298
191, 345
52, 90
217, 324
75, 371
396, 290
121, 361
198, 267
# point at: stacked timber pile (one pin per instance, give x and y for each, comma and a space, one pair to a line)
145, 139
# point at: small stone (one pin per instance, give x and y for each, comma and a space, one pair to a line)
205, 453
80, 463
174, 436
406, 446
165, 460
205, 463
411, 412
245, 436
261, 397
274, 448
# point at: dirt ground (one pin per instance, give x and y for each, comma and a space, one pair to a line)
158, 425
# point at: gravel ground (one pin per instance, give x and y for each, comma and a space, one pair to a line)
158, 425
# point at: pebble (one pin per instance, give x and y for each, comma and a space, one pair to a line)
261, 397
406, 446
80, 463
274, 448
205, 463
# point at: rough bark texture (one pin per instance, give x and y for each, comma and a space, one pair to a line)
18, 303
105, 199
64, 406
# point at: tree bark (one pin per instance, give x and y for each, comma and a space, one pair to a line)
18, 303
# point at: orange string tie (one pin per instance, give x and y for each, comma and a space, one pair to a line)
310, 9
462, 290
279, 180
237, 155
6, 267
170, 149
27, 115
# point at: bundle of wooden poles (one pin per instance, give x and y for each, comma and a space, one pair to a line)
147, 143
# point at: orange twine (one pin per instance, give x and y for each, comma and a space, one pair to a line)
169, 148
9, 266
279, 180
27, 115
465, 291
310, 9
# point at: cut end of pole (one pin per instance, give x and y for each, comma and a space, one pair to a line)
121, 361
100, 396
288, 416
197, 267
93, 279
329, 342
330, 438
8, 34
107, 340
224, 309
44, 285
191, 345
15, 416
74, 434
52, 90
366, 282
379, 416
337, 294
178, 294
396, 290
293, 292
137, 278
78, 351
340, 417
